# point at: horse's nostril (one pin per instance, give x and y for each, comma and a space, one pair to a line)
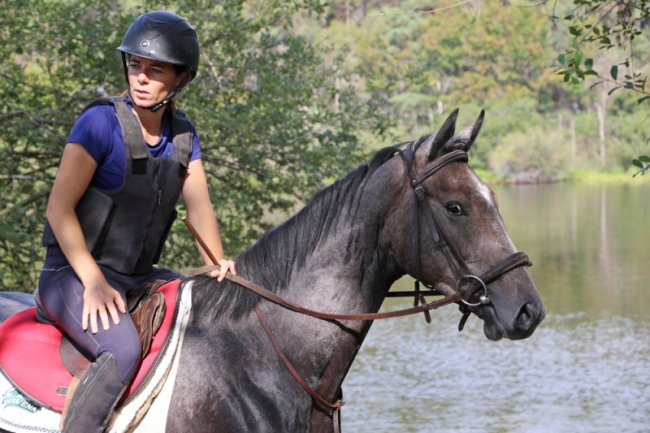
527, 316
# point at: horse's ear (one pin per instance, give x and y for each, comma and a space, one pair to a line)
464, 139
476, 128
444, 134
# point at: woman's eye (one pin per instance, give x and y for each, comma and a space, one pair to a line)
454, 208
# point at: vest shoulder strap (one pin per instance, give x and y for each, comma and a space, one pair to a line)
131, 132
182, 132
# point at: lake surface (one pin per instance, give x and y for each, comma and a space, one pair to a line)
585, 369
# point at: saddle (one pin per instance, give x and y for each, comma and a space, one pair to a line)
146, 307
40, 362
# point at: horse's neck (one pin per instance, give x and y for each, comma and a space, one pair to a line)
330, 250
344, 274
342, 278
327, 258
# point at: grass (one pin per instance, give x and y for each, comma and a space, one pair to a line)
580, 175
620, 176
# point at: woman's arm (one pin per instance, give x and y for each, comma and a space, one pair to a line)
202, 216
72, 180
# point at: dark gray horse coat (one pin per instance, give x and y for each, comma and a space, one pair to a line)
340, 254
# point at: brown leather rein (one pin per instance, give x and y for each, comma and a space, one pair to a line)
270, 296
456, 263
335, 407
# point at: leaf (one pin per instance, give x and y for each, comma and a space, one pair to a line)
614, 72
561, 59
644, 158
642, 100
577, 57
637, 163
589, 64
614, 89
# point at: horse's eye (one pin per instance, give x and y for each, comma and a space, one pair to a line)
454, 208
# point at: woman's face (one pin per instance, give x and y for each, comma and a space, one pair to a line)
150, 81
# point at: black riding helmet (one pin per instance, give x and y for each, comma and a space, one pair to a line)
166, 37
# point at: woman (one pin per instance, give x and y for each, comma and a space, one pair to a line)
126, 161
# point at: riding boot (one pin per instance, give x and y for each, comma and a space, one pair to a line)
95, 397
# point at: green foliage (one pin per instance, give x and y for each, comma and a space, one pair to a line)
643, 163
503, 117
608, 25
427, 60
540, 154
275, 121
55, 56
292, 94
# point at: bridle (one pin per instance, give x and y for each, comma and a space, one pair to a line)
440, 240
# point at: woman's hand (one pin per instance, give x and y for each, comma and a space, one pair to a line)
100, 299
226, 266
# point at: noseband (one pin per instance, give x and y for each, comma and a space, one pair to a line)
441, 241
455, 260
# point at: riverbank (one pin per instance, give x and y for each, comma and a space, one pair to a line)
580, 176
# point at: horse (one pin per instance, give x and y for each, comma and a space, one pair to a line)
416, 208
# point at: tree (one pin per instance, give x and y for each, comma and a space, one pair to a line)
609, 24
263, 103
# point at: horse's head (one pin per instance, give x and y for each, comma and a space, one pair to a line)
445, 230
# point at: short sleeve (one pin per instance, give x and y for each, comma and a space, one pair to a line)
94, 131
196, 145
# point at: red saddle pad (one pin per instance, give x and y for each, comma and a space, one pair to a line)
30, 357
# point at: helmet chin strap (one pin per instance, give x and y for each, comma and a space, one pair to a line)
171, 95
165, 101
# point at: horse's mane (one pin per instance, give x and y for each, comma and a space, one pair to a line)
270, 260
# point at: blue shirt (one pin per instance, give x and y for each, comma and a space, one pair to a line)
98, 131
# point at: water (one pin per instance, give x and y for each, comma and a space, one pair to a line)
585, 369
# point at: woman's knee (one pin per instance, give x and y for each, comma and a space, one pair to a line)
127, 351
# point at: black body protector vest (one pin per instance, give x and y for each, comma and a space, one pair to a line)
125, 228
